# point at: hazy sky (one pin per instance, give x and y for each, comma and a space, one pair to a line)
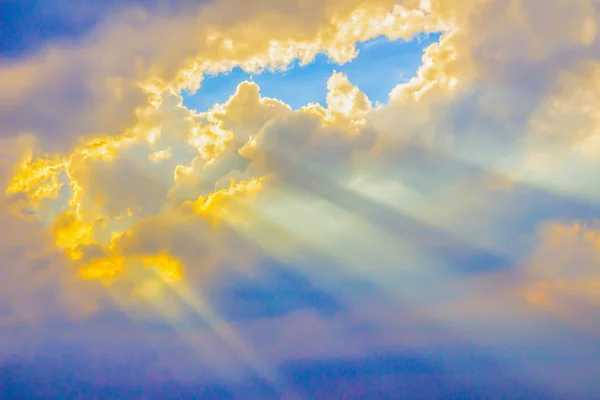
300, 199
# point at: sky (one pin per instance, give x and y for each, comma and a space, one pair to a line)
331, 199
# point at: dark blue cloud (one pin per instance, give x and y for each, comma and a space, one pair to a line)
272, 291
406, 376
27, 26
450, 374
53, 378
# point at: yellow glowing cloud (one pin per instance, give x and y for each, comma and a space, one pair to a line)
107, 269
107, 197
572, 108
104, 269
565, 266
38, 179
71, 233
222, 203
89, 235
136, 108
245, 112
161, 155
346, 23
345, 98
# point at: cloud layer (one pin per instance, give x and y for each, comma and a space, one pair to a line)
475, 181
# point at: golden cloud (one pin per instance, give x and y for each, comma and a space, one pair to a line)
140, 182
565, 264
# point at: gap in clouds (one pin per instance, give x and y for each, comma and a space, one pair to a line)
395, 61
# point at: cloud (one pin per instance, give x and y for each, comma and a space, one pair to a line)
120, 199
37, 282
563, 268
100, 86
